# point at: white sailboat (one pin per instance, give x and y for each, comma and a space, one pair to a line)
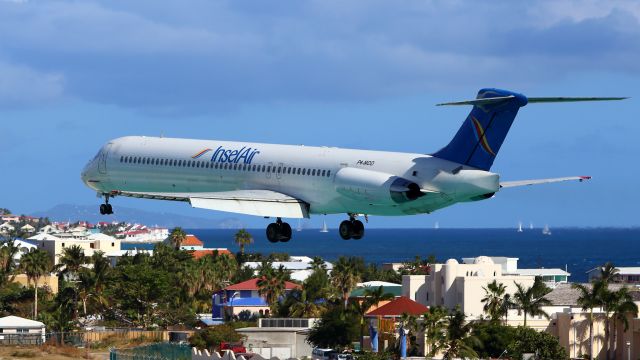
324, 227
530, 226
436, 226
299, 228
546, 230
520, 226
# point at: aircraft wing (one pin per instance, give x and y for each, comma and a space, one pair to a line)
251, 202
506, 184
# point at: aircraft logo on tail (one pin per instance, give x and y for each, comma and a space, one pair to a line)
196, 156
480, 136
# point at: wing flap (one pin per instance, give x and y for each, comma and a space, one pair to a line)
507, 184
251, 202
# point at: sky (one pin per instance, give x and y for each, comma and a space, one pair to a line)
356, 74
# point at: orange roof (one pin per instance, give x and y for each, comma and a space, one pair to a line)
197, 254
399, 306
192, 240
252, 284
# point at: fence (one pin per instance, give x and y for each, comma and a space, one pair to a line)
104, 337
160, 351
21, 339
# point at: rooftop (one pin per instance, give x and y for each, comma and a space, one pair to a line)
398, 307
628, 270
18, 322
541, 272
252, 284
192, 240
564, 294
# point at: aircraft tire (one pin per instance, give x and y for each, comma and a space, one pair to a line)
345, 230
103, 209
357, 230
109, 209
273, 233
285, 232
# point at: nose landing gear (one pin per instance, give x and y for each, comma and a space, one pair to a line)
106, 209
351, 229
279, 231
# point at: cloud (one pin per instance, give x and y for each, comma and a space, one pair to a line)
21, 85
172, 58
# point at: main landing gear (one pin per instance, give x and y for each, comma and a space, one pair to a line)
279, 231
351, 229
106, 209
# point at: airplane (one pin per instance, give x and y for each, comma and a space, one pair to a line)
296, 181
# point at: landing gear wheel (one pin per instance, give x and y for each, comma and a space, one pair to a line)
273, 233
103, 209
285, 232
346, 229
109, 209
357, 228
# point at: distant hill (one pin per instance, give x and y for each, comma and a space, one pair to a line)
69, 212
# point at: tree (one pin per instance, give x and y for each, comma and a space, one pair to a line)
345, 275
85, 286
494, 300
101, 271
458, 341
590, 297
304, 306
211, 337
242, 238
71, 259
541, 343
8, 251
336, 328
435, 325
318, 284
177, 237
608, 273
35, 264
271, 284
620, 304
531, 300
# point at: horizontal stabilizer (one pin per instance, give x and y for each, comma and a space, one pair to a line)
571, 99
485, 101
506, 184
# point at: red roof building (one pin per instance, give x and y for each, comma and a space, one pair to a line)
252, 284
197, 254
398, 307
192, 240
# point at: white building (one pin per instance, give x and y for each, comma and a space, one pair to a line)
281, 338
551, 277
625, 275
17, 330
453, 284
299, 266
55, 245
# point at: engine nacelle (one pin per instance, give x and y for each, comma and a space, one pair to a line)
375, 187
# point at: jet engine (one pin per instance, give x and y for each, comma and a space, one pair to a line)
375, 187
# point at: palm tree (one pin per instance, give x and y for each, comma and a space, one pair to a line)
242, 238
621, 305
86, 286
434, 324
101, 270
494, 300
608, 273
71, 259
8, 251
531, 300
271, 285
590, 297
458, 341
345, 275
177, 237
35, 264
306, 307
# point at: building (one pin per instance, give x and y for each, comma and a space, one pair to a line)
281, 338
551, 277
17, 330
6, 228
49, 282
453, 284
625, 275
54, 245
236, 298
299, 267
192, 243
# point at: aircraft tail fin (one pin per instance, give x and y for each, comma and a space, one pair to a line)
478, 140
480, 137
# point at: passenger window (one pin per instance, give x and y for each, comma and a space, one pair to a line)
328, 173
121, 158
304, 171
279, 168
323, 172
313, 172
268, 168
254, 168
263, 168
298, 171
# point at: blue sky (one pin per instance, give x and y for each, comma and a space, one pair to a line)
362, 74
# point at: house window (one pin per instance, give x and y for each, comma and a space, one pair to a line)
22, 330
113, 244
62, 244
92, 245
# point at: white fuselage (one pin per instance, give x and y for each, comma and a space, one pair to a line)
330, 180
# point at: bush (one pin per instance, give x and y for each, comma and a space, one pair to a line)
211, 337
543, 344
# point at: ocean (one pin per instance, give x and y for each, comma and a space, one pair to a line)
577, 249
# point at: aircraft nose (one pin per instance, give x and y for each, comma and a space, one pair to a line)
89, 174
